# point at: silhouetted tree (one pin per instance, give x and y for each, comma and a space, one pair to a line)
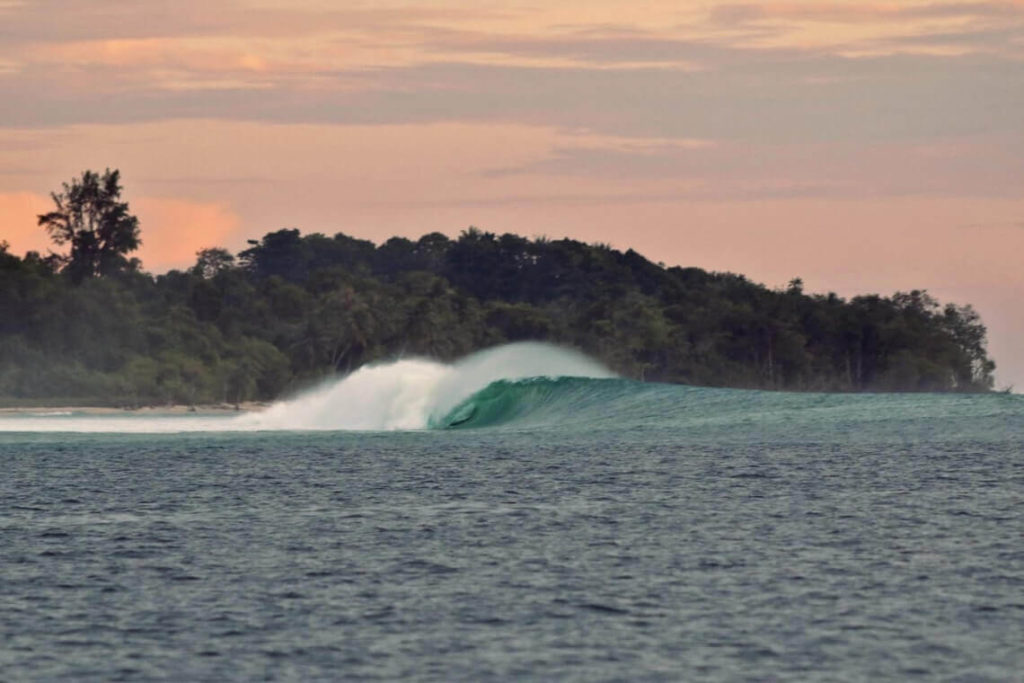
92, 219
209, 262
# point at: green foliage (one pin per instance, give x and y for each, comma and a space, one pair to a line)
99, 228
293, 309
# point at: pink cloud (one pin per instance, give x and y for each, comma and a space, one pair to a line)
862, 12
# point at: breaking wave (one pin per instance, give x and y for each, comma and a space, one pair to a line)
405, 394
534, 385
418, 394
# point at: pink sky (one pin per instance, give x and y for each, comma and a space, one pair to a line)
865, 147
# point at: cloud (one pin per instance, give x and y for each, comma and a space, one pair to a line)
127, 19
616, 72
972, 167
836, 12
801, 98
869, 29
664, 83
1002, 41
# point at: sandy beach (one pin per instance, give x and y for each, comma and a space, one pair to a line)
176, 409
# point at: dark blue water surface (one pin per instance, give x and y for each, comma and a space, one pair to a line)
691, 535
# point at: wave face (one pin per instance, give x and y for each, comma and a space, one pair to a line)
628, 406
418, 394
540, 401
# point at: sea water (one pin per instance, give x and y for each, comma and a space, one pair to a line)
523, 515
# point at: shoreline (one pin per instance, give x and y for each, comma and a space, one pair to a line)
173, 409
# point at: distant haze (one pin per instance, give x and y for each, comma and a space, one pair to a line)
863, 147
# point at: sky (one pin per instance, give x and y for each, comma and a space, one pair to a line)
865, 147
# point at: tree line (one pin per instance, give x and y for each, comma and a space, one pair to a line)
90, 326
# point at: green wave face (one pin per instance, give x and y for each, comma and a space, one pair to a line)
539, 401
625, 406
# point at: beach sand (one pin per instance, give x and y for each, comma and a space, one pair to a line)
176, 409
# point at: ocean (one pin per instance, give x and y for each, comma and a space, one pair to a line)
521, 515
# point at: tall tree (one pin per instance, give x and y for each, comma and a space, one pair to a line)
210, 262
91, 217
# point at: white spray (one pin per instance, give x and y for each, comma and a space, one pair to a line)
406, 394
400, 395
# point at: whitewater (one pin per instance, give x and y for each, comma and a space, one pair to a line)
404, 394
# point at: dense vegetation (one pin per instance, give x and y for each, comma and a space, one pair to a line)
91, 327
